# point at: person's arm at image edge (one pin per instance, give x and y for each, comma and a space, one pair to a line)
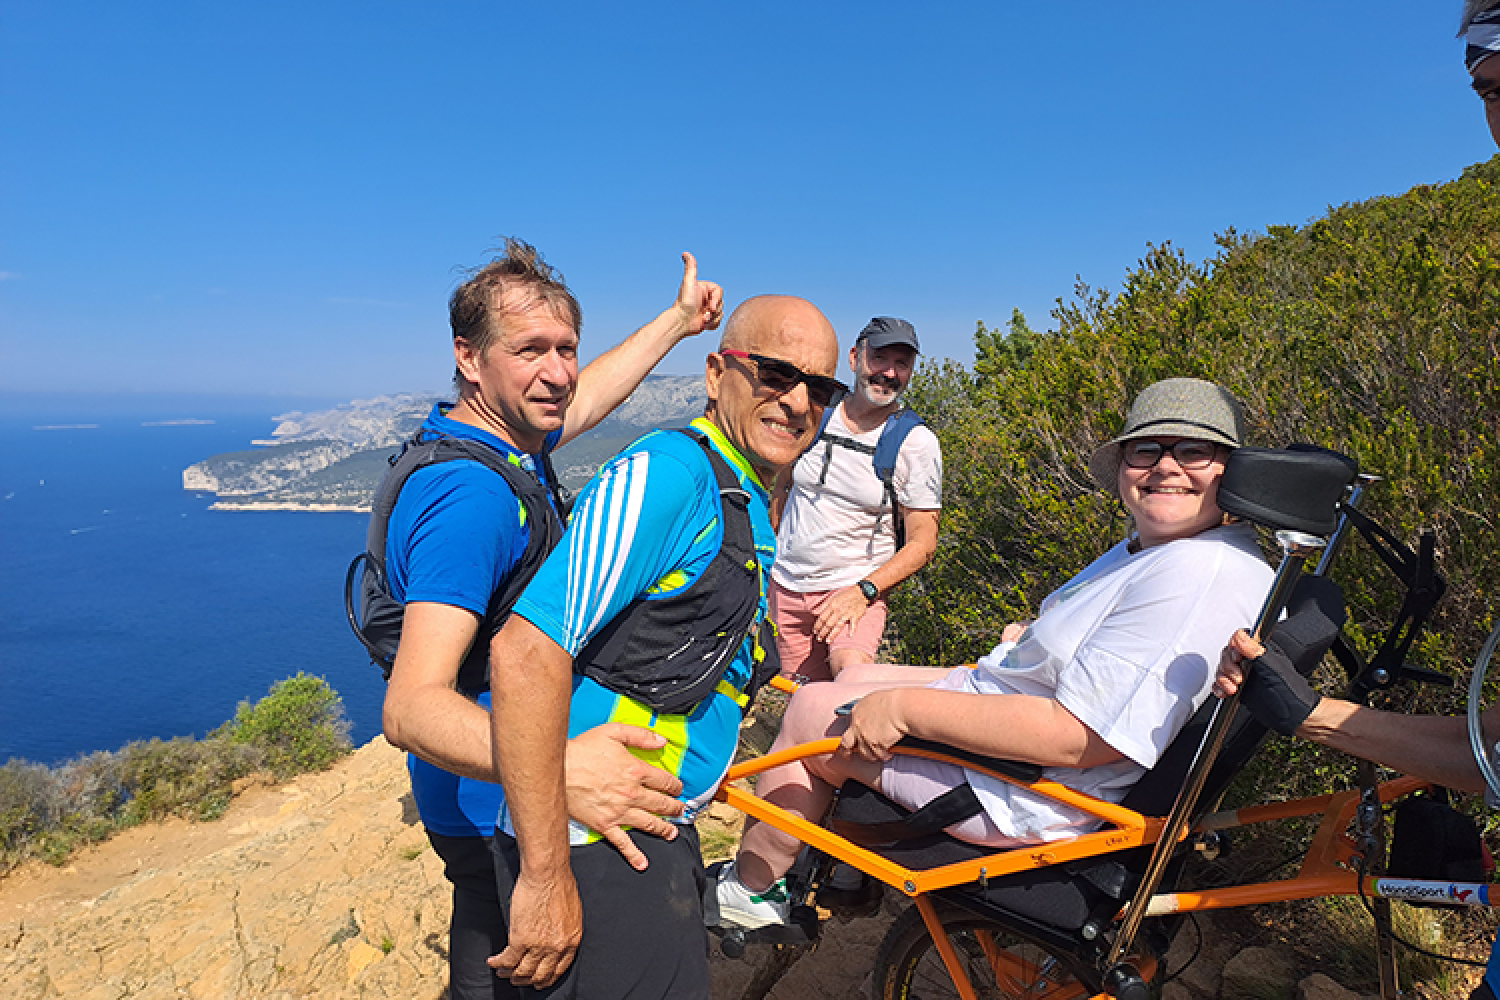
1431, 747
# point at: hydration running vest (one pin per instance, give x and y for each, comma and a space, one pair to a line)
378, 625
883, 456
670, 653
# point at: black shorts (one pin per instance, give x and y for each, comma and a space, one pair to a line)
477, 930
643, 933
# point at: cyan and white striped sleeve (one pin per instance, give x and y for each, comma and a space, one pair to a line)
631, 526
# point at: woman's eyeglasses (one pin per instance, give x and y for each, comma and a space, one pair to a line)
1188, 453
782, 376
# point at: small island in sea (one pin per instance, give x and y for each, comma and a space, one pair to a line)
332, 460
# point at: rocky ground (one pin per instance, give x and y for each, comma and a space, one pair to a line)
326, 888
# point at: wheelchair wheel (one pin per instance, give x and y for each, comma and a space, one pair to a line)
1482, 753
1000, 965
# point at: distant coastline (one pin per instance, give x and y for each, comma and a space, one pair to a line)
332, 461
316, 508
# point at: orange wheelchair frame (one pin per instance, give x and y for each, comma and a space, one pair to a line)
980, 951
1328, 869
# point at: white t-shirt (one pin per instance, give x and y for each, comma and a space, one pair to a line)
1129, 646
837, 529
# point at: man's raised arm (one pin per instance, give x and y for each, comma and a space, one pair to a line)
614, 375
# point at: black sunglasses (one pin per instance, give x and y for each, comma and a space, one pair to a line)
782, 376
1189, 453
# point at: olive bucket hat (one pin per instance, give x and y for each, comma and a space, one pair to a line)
1174, 407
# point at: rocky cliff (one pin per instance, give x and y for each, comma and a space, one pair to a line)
333, 459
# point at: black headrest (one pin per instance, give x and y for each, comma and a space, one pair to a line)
1297, 487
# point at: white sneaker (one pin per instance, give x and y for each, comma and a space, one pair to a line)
748, 908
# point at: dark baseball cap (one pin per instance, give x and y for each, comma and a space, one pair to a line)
883, 331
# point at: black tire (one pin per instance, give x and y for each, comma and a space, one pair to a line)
908, 966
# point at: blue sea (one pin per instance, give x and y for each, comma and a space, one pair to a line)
128, 609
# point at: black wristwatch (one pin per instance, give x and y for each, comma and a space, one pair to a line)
869, 589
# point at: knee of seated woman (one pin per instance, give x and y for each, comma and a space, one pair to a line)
861, 673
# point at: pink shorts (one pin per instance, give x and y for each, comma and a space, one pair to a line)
915, 781
794, 615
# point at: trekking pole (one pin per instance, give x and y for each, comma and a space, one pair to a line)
1296, 548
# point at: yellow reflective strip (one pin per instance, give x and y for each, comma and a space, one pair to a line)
707, 530
735, 695
674, 580
516, 461
630, 712
726, 449
675, 729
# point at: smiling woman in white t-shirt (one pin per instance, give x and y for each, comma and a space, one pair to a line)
1094, 689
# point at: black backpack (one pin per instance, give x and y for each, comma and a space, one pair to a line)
378, 623
671, 653
1432, 840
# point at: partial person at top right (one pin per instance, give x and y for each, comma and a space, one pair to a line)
857, 515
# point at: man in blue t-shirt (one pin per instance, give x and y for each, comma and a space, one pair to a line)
454, 539
646, 529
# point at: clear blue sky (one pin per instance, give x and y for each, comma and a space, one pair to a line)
274, 197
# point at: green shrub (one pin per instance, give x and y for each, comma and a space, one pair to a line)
184, 777
49, 812
298, 727
22, 798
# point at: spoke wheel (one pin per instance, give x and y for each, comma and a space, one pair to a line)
1000, 965
1482, 753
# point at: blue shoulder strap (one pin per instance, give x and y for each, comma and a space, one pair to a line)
883, 457
892, 436
823, 424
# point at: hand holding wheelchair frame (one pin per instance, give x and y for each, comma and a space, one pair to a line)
1042, 920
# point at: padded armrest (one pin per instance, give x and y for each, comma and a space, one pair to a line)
1019, 770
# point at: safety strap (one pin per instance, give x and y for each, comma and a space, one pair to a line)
952, 807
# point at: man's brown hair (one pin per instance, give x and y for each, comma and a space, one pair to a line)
511, 283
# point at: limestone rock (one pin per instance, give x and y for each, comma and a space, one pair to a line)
1258, 974
1319, 987
1175, 990
1213, 948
